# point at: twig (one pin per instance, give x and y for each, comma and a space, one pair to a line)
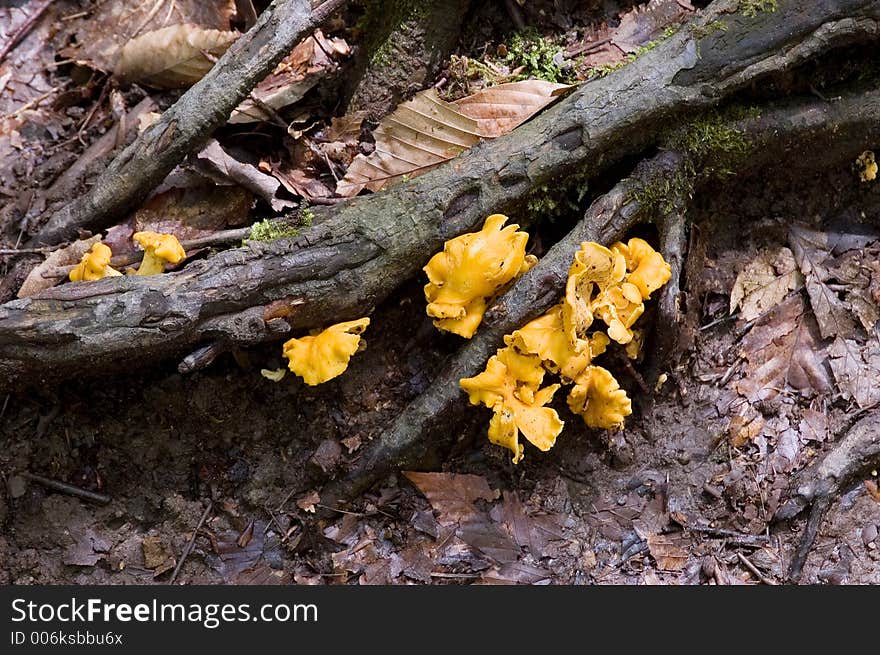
24, 28
189, 546
754, 569
26, 251
70, 489
734, 537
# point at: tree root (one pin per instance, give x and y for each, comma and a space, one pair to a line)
819, 485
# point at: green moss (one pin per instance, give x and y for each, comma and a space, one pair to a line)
703, 31
537, 56
285, 227
544, 203
711, 134
751, 8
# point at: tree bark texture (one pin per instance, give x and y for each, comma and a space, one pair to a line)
359, 251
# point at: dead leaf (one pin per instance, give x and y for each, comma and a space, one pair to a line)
812, 251
516, 573
667, 551
102, 32
224, 168
192, 212
856, 369
534, 533
499, 109
426, 131
783, 352
172, 57
643, 24
72, 254
873, 489
814, 424
764, 283
158, 556
261, 574
297, 73
857, 270
308, 502
235, 557
87, 550
744, 428
452, 494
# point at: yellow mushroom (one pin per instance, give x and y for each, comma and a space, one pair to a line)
545, 337
598, 398
159, 249
647, 269
595, 268
615, 306
324, 356
94, 265
510, 387
471, 270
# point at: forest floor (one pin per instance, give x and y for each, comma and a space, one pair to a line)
229, 461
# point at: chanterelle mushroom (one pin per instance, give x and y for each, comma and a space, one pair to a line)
471, 270
324, 356
159, 249
94, 265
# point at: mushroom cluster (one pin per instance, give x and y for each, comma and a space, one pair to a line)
609, 284
159, 250
471, 270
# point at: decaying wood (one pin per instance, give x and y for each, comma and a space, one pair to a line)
817, 487
359, 251
190, 121
425, 424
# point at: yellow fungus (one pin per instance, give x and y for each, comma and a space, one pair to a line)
159, 249
324, 356
598, 398
94, 265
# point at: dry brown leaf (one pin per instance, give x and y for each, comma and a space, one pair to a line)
814, 425
643, 24
452, 494
192, 212
499, 109
812, 251
856, 369
667, 551
426, 131
764, 283
297, 73
172, 57
108, 26
72, 254
858, 270
783, 351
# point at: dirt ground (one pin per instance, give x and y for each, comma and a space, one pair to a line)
215, 472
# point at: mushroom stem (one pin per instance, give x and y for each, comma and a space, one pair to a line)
151, 265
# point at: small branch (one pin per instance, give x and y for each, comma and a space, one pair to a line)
70, 489
754, 570
189, 546
24, 28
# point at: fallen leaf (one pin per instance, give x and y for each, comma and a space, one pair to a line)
857, 270
172, 57
516, 573
667, 551
812, 252
783, 352
308, 502
297, 74
643, 24
72, 254
215, 162
453, 495
158, 556
856, 369
426, 131
814, 424
764, 283
192, 212
233, 557
87, 550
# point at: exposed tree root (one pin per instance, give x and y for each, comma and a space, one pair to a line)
818, 486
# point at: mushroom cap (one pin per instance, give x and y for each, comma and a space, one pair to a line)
499, 388
94, 265
595, 269
471, 269
545, 337
648, 271
324, 356
598, 398
163, 246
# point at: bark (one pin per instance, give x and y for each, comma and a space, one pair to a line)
359, 251
190, 121
405, 52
